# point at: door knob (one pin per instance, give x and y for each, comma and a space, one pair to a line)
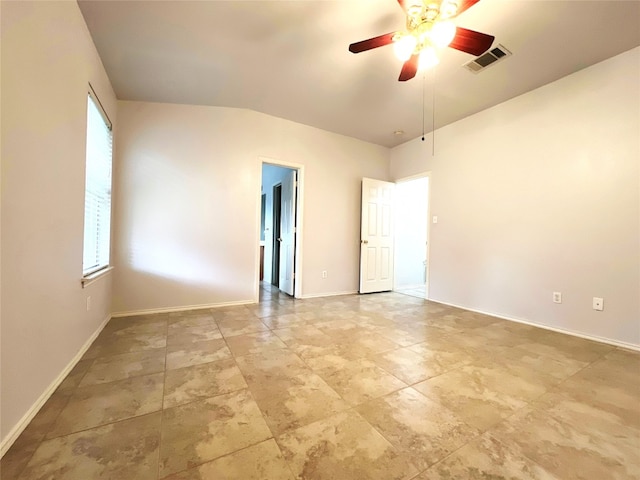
279, 239
365, 241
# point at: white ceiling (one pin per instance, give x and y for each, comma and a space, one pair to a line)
290, 59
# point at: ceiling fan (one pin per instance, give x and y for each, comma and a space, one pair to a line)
429, 26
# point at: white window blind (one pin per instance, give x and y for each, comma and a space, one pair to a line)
97, 199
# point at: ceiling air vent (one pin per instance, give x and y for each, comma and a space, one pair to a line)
486, 59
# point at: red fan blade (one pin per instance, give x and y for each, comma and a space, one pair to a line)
464, 5
470, 41
371, 43
409, 69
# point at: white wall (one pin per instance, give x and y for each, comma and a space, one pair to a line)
271, 176
541, 194
411, 199
48, 58
187, 190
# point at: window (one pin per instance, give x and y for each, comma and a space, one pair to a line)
97, 195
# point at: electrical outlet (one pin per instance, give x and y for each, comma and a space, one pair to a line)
88, 303
435, 219
557, 297
598, 303
324, 274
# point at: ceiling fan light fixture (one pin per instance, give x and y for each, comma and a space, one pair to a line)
428, 58
404, 46
448, 8
442, 33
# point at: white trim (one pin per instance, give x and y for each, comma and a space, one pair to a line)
152, 311
595, 338
299, 222
95, 276
330, 294
19, 427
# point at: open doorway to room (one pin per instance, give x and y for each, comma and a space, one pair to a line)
279, 235
412, 234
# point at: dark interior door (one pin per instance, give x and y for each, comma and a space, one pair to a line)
277, 210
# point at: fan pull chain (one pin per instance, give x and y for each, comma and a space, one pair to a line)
433, 117
423, 83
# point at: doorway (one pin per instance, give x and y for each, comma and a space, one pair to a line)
412, 234
280, 236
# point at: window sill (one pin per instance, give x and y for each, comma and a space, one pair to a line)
93, 277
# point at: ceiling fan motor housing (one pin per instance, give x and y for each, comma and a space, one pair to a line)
428, 26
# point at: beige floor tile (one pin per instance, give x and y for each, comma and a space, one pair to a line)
467, 395
186, 355
443, 344
619, 399
373, 343
184, 385
286, 320
16, 459
271, 365
586, 415
254, 343
486, 458
423, 429
204, 430
571, 452
356, 381
122, 450
303, 335
116, 345
292, 401
75, 376
617, 369
327, 377
412, 367
100, 404
547, 369
179, 334
238, 312
190, 318
126, 365
339, 328
563, 347
288, 392
139, 325
241, 326
338, 348
406, 335
45, 418
258, 462
272, 310
343, 446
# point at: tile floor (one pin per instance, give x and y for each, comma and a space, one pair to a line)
420, 292
382, 386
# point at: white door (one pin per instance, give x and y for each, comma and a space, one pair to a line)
376, 236
287, 232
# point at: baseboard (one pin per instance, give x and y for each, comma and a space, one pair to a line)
15, 432
329, 294
595, 338
152, 311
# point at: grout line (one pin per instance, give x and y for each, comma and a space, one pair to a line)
164, 389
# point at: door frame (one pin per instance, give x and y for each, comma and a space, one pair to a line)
299, 222
429, 176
